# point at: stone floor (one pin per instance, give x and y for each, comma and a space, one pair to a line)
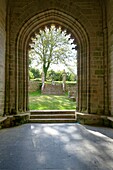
56, 147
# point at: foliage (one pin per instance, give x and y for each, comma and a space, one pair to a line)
57, 76
31, 76
70, 76
35, 72
52, 75
52, 46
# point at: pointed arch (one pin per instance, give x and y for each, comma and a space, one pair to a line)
22, 44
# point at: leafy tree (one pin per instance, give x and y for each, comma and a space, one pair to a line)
57, 75
70, 76
35, 72
52, 46
31, 75
51, 75
54, 75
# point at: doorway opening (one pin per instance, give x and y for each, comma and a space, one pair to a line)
28, 30
52, 69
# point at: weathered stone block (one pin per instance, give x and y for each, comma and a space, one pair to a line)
89, 119
14, 120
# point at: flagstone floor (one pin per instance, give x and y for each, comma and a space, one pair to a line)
56, 147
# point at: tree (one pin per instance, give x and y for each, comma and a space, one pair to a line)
35, 72
52, 46
54, 75
31, 76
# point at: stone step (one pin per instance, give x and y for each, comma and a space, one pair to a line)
45, 116
52, 121
52, 116
110, 119
36, 112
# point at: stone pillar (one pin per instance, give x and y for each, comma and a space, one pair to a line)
84, 81
79, 83
105, 53
64, 80
43, 81
2, 53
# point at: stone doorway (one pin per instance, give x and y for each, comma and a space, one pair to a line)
19, 101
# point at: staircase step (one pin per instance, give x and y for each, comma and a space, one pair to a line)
52, 121
52, 116
33, 112
43, 116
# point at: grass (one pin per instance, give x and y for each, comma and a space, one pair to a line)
37, 101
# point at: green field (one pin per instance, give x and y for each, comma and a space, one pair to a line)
37, 101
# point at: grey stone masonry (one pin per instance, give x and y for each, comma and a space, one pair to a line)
91, 25
83, 19
55, 89
2, 53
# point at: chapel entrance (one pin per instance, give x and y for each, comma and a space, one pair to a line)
52, 69
20, 101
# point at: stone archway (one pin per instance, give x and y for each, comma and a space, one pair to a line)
23, 38
90, 24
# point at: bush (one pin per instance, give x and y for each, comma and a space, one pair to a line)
31, 76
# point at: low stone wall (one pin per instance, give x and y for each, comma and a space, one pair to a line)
14, 120
95, 120
70, 87
53, 89
33, 86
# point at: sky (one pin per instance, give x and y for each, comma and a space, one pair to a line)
58, 67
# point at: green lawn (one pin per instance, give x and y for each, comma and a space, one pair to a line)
37, 101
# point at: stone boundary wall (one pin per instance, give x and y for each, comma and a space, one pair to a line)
33, 86
71, 87
72, 91
53, 89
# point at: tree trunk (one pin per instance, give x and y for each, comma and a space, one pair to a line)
45, 72
45, 69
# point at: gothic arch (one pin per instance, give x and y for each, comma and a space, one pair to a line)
22, 41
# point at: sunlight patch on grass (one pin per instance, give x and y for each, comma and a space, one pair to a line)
37, 101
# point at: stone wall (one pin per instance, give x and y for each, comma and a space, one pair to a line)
2, 53
71, 87
84, 19
56, 89
110, 52
33, 86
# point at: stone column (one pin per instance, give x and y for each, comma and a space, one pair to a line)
64, 80
43, 81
